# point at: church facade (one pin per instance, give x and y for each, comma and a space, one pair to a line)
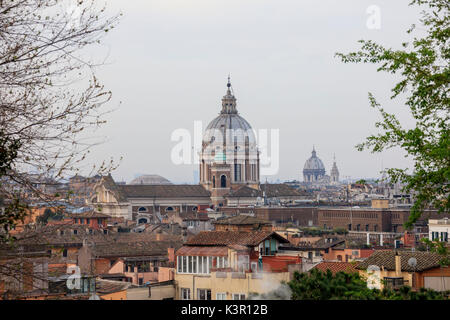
229, 158
229, 176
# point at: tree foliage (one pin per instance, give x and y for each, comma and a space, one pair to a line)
423, 69
439, 247
49, 94
319, 285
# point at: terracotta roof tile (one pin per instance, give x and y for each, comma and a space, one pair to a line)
242, 220
386, 259
271, 191
164, 191
336, 267
202, 251
110, 286
224, 238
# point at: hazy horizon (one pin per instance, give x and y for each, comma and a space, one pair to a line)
168, 62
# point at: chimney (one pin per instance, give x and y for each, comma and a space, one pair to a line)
171, 254
398, 264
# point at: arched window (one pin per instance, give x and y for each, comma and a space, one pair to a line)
142, 209
223, 181
194, 209
142, 220
169, 209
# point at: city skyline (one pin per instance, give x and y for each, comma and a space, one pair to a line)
284, 73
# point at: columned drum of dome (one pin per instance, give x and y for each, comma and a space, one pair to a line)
314, 170
229, 155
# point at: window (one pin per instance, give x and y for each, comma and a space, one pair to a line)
190, 259
169, 209
185, 294
237, 172
75, 231
214, 181
254, 267
142, 209
141, 281
223, 181
393, 283
243, 263
194, 264
203, 294
238, 296
200, 264
88, 221
205, 265
184, 263
221, 296
64, 253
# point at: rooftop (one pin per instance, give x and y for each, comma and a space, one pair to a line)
242, 220
335, 267
386, 259
225, 238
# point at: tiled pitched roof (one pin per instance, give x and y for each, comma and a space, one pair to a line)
196, 216
110, 286
109, 184
134, 249
202, 251
386, 259
271, 190
336, 267
165, 191
241, 220
224, 238
279, 190
89, 214
51, 236
244, 192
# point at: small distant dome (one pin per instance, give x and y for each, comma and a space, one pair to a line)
314, 170
149, 179
314, 163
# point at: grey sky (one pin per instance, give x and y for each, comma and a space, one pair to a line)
169, 60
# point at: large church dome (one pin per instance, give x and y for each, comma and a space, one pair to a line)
314, 163
229, 132
229, 152
314, 168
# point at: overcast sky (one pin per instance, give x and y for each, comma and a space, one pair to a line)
168, 62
